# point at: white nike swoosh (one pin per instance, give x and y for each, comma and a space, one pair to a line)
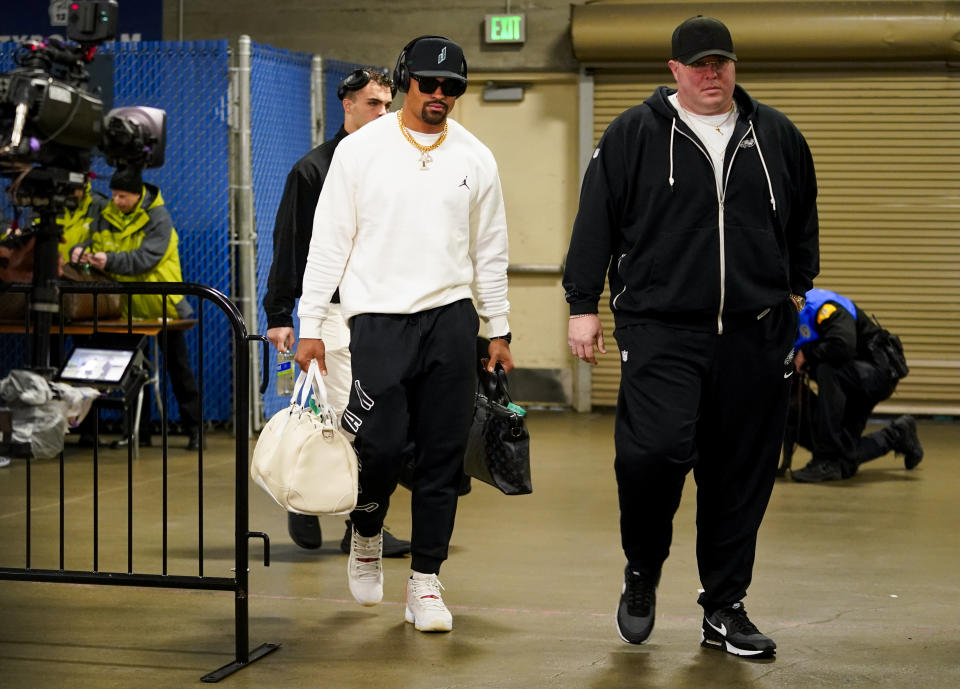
787, 375
722, 629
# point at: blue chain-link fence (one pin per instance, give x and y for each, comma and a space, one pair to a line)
191, 82
280, 132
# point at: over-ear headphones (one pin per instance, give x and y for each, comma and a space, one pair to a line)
401, 74
354, 81
359, 78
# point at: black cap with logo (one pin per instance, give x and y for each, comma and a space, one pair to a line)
699, 37
435, 56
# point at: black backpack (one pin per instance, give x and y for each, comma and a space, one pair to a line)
886, 350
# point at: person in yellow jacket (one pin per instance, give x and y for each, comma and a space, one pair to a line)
134, 240
76, 223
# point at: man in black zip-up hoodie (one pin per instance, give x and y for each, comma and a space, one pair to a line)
701, 204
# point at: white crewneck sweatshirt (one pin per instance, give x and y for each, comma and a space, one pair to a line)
398, 239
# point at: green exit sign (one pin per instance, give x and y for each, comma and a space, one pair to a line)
506, 28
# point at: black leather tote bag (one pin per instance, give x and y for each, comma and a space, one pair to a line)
498, 448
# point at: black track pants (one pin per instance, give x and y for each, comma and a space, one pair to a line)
715, 404
413, 378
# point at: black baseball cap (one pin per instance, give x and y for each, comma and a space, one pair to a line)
700, 36
435, 56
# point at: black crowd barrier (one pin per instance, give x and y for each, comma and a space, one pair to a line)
238, 583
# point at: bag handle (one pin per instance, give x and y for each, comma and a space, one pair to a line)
297, 387
312, 381
308, 380
502, 385
494, 385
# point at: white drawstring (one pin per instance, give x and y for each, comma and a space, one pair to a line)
756, 138
673, 128
763, 163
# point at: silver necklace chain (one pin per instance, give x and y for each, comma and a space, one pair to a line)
722, 123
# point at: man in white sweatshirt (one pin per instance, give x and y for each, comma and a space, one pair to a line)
411, 225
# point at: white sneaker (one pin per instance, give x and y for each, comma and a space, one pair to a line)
4, 461
425, 608
364, 571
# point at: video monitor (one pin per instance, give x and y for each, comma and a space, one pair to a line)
97, 366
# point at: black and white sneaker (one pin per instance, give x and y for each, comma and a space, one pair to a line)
729, 629
638, 603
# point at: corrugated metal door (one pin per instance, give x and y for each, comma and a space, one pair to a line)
886, 145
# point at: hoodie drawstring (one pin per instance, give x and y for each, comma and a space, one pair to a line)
763, 163
673, 129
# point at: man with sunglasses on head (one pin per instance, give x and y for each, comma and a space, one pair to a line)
411, 226
365, 95
701, 203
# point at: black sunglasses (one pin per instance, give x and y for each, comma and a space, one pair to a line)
355, 81
449, 87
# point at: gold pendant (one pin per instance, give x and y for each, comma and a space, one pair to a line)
425, 160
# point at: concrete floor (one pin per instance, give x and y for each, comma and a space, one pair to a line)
856, 581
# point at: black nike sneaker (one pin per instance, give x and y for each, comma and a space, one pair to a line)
729, 629
637, 607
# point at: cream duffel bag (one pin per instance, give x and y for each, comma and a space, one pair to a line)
302, 459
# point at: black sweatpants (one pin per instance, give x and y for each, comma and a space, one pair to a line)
715, 404
414, 377
840, 410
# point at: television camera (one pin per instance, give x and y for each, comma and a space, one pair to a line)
51, 123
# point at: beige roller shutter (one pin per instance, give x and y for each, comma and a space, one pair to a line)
886, 145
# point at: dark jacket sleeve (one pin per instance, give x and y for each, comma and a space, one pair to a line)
143, 259
597, 225
291, 238
803, 225
837, 343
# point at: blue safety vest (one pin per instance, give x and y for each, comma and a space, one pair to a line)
806, 327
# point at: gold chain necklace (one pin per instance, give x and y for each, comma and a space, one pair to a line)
425, 158
698, 118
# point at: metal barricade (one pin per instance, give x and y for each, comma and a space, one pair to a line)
238, 583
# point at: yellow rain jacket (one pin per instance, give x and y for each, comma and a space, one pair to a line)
76, 223
141, 246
